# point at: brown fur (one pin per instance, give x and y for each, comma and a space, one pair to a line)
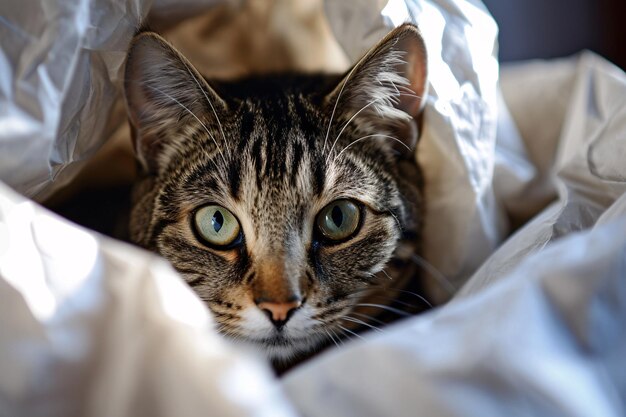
274, 151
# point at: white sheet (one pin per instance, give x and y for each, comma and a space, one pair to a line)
93, 327
548, 339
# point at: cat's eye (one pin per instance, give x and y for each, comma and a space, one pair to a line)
339, 220
216, 225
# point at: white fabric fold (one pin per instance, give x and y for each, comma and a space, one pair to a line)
526, 213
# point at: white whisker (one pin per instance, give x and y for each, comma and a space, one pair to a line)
370, 136
348, 122
420, 297
330, 123
397, 221
350, 331
194, 115
361, 322
393, 300
435, 273
337, 336
385, 272
331, 337
210, 104
368, 317
384, 307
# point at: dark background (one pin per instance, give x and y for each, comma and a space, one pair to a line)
555, 28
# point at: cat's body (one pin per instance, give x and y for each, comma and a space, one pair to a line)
287, 202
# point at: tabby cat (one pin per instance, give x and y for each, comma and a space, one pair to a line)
290, 203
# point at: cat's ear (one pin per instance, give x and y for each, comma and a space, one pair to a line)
164, 94
387, 85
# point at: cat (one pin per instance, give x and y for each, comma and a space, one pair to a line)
291, 203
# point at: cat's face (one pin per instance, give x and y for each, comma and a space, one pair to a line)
278, 199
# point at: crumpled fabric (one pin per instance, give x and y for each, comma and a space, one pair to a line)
548, 339
572, 118
93, 327
62, 65
60, 62
525, 220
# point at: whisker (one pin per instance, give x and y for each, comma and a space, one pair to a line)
373, 288
350, 331
219, 149
348, 122
435, 273
368, 317
396, 219
331, 338
386, 274
337, 336
212, 160
361, 322
191, 113
330, 123
384, 307
210, 104
370, 136
421, 297
356, 114
346, 296
402, 303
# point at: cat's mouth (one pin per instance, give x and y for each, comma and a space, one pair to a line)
279, 339
279, 346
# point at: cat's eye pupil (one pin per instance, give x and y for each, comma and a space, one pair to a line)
338, 220
217, 221
337, 216
217, 226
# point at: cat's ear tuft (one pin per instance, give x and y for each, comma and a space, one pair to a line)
164, 93
388, 84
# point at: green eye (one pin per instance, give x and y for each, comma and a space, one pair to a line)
216, 225
339, 219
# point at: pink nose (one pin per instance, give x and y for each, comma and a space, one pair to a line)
279, 313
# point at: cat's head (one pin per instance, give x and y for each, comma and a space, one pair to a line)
279, 199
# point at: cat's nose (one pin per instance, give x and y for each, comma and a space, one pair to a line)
279, 312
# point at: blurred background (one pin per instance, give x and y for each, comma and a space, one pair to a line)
555, 28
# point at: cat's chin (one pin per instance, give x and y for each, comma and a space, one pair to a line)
284, 350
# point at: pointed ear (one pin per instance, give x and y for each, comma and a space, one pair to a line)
164, 95
387, 86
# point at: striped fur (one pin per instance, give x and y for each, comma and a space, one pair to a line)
275, 151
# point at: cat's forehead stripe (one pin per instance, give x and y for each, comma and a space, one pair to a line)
273, 144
